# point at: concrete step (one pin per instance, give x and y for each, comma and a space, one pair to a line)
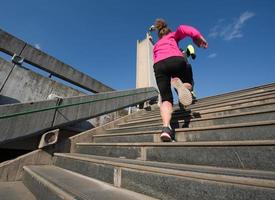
69, 160
261, 130
253, 155
256, 106
260, 92
51, 182
15, 191
168, 181
191, 122
237, 102
253, 90
201, 103
228, 104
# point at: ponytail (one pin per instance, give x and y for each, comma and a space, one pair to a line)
162, 27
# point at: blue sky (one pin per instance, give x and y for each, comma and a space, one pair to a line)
99, 37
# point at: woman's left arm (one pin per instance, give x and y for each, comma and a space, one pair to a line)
185, 30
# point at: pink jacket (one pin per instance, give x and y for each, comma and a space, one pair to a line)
167, 46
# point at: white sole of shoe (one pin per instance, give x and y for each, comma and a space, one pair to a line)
185, 96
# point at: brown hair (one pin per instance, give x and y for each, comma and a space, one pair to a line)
162, 27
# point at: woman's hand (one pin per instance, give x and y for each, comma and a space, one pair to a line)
200, 42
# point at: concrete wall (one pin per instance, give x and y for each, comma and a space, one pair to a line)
19, 84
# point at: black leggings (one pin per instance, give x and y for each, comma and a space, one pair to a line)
170, 68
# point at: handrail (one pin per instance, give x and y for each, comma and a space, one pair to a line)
25, 119
62, 106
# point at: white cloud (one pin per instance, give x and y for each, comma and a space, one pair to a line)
229, 31
37, 46
212, 55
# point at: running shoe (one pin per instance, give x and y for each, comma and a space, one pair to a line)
167, 134
185, 96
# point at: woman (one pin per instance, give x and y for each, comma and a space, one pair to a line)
169, 63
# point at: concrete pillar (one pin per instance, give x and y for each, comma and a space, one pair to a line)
145, 74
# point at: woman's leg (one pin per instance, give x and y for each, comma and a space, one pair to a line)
164, 70
182, 81
166, 106
183, 91
166, 109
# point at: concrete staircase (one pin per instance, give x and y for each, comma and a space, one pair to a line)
225, 150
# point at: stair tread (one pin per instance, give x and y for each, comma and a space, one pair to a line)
237, 176
201, 111
128, 155
178, 111
249, 98
236, 125
183, 144
14, 191
73, 185
207, 118
247, 90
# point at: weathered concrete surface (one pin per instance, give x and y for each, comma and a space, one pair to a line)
5, 69
50, 182
253, 155
71, 160
103, 103
259, 105
190, 121
87, 135
14, 191
28, 124
11, 45
24, 125
171, 187
239, 93
246, 120
168, 181
244, 157
12, 170
48, 63
115, 138
235, 102
252, 131
100, 172
24, 85
129, 152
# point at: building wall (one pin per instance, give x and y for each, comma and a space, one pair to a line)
144, 67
